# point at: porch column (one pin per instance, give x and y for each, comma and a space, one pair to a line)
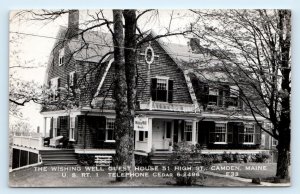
194, 132
45, 126
149, 134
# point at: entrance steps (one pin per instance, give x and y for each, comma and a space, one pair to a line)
58, 157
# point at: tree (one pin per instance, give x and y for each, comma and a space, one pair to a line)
125, 48
252, 47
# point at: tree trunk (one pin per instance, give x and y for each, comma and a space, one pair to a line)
130, 68
123, 132
284, 129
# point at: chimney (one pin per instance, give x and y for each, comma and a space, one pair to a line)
73, 24
194, 44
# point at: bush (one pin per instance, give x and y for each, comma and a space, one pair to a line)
262, 157
142, 160
186, 155
86, 159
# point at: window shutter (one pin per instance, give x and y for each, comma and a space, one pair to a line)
241, 129
182, 124
229, 133
257, 136
74, 79
58, 85
101, 128
68, 80
212, 129
154, 89
76, 129
68, 125
51, 128
170, 91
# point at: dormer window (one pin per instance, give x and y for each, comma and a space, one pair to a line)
61, 57
233, 98
162, 89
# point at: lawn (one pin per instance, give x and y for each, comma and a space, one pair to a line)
246, 170
30, 177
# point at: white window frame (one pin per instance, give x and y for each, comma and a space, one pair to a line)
145, 138
167, 86
188, 129
224, 126
72, 129
213, 91
71, 78
252, 127
273, 142
61, 57
109, 121
54, 88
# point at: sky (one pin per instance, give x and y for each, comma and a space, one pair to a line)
33, 41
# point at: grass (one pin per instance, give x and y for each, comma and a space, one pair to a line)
31, 178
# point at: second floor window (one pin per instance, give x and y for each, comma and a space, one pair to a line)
54, 87
72, 79
61, 57
162, 89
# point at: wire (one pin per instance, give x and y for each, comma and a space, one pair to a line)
98, 44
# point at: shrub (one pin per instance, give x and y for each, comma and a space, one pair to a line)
262, 157
186, 155
142, 160
86, 159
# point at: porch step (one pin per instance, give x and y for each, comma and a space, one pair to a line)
162, 158
58, 157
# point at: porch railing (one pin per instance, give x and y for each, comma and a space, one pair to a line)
28, 141
164, 106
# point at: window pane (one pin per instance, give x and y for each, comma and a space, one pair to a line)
141, 135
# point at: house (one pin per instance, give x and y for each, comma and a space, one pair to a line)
173, 105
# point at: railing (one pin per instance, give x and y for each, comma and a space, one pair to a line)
28, 141
174, 107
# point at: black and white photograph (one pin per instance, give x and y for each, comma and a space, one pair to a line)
150, 98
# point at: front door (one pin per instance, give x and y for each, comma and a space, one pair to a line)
158, 134
168, 134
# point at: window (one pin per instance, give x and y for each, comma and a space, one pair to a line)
143, 135
54, 87
188, 131
249, 134
219, 134
215, 97
274, 142
233, 98
61, 56
72, 78
72, 128
162, 89
110, 126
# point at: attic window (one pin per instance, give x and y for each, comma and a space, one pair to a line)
61, 56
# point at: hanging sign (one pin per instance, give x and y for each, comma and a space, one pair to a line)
141, 123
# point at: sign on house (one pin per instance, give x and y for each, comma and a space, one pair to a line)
141, 123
